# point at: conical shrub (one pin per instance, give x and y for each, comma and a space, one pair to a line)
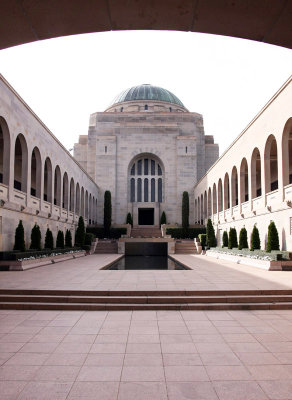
210, 235
60, 240
225, 239
35, 238
68, 238
163, 218
242, 244
129, 219
273, 238
80, 233
232, 240
255, 242
49, 240
19, 243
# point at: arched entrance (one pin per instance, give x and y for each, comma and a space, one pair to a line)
145, 189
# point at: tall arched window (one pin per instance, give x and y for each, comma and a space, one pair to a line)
141, 187
146, 189
152, 189
132, 197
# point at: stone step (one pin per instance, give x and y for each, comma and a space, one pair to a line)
135, 306
149, 293
106, 248
151, 300
144, 299
145, 232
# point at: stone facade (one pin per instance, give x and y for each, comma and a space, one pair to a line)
40, 182
160, 131
251, 183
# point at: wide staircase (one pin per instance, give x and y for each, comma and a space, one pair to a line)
146, 232
106, 247
145, 300
185, 247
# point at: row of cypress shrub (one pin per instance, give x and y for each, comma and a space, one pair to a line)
36, 237
230, 240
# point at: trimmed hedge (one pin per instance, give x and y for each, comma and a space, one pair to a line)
259, 254
114, 233
180, 233
16, 255
89, 237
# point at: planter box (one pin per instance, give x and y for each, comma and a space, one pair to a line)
40, 262
253, 262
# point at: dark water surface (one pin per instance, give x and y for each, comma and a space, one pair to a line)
146, 262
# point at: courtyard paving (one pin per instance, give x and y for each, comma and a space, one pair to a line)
146, 355
85, 274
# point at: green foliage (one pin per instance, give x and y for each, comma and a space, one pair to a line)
255, 242
49, 240
80, 233
114, 233
203, 240
210, 235
16, 255
190, 233
19, 243
232, 240
89, 237
273, 238
243, 239
107, 216
129, 219
35, 238
163, 218
68, 238
60, 240
185, 210
225, 239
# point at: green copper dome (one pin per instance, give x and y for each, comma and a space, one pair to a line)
147, 92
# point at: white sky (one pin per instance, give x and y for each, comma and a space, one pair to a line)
227, 80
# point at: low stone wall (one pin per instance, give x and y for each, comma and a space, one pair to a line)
253, 262
40, 262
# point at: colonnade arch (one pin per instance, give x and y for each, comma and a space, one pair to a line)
29, 170
255, 175
287, 153
20, 163
36, 173
5, 143
271, 164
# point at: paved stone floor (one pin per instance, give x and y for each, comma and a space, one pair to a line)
146, 355
206, 274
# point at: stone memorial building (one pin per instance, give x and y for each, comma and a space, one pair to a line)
146, 148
